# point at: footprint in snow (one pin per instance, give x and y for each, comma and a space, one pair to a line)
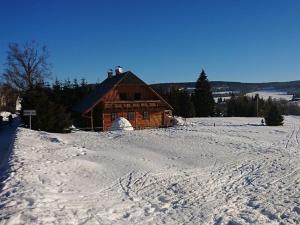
126, 215
163, 199
29, 201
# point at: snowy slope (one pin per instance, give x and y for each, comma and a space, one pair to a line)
273, 94
235, 172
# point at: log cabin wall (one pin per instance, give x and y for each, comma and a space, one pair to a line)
155, 119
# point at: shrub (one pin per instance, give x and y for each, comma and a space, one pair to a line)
273, 116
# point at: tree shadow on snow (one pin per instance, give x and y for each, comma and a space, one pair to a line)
7, 139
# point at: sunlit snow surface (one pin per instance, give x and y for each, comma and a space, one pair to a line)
278, 95
236, 172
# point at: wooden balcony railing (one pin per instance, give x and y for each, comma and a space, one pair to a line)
132, 104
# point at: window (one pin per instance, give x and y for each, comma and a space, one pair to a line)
123, 96
137, 96
145, 115
130, 115
114, 116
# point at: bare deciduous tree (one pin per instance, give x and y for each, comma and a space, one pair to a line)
26, 65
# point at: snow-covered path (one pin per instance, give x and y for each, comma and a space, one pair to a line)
234, 173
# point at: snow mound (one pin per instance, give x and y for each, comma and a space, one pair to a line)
121, 124
179, 121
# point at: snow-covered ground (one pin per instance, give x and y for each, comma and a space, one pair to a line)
236, 172
273, 94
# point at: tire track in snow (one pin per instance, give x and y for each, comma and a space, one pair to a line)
157, 189
263, 202
285, 176
298, 132
126, 189
217, 219
290, 137
171, 196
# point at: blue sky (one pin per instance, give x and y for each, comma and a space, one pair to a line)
161, 41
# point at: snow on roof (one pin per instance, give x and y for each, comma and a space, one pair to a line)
121, 124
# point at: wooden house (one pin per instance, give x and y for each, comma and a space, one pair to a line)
124, 95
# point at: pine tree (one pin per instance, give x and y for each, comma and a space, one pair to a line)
202, 98
273, 116
83, 82
51, 116
185, 105
75, 83
57, 85
231, 105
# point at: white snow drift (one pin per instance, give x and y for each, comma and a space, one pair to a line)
236, 172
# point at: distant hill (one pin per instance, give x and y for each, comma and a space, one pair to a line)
218, 86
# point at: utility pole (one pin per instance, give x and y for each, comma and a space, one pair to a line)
92, 119
257, 106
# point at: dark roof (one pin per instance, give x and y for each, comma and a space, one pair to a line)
90, 100
98, 93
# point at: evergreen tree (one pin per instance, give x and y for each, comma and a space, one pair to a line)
245, 106
220, 100
231, 105
83, 82
171, 98
75, 83
51, 116
185, 105
181, 102
202, 98
273, 116
57, 85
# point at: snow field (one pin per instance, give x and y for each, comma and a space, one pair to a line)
237, 172
273, 94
